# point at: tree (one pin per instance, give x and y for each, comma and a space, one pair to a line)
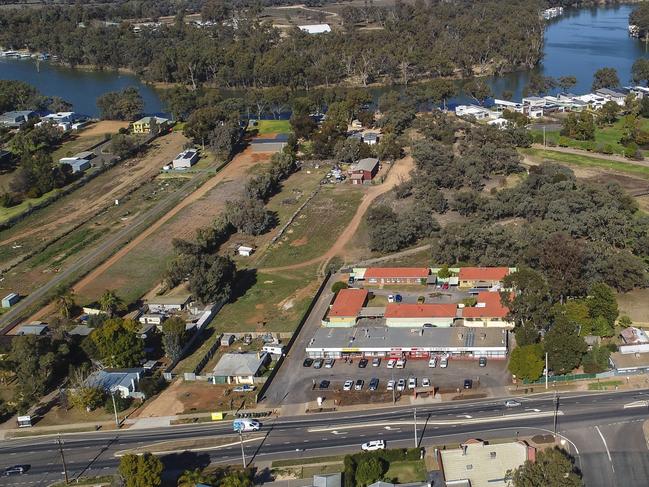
564, 346
579, 126
121, 105
478, 89
602, 302
527, 362
605, 78
118, 344
211, 281
110, 302
552, 468
608, 113
249, 216
566, 83
389, 147
369, 470
65, 303
596, 360
122, 145
173, 337
529, 304
539, 84
338, 286
575, 310
88, 398
140, 470
236, 479
640, 71
191, 478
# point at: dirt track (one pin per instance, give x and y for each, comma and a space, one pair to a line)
400, 172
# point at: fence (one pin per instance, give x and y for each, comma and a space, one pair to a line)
562, 378
294, 216
287, 348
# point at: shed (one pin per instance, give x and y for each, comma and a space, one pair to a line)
327, 480
364, 170
88, 155
77, 165
160, 304
315, 28
241, 368
185, 159
371, 138
245, 251
32, 329
10, 299
81, 330
227, 340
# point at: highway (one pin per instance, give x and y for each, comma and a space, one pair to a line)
602, 430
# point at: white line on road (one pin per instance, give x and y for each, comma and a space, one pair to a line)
608, 453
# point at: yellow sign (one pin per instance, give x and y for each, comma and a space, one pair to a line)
351, 349
217, 416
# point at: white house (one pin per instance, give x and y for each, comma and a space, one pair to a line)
77, 165
534, 101
480, 113
185, 159
612, 95
508, 105
122, 381
241, 368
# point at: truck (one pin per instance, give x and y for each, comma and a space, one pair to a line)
244, 424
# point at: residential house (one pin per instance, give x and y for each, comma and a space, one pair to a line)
633, 336
364, 170
479, 464
240, 368
502, 105
533, 101
315, 29
480, 113
394, 275
143, 125
17, 119
612, 95
81, 331
592, 100
163, 304
408, 315
10, 299
155, 319
346, 307
481, 277
61, 120
37, 328
124, 382
185, 159
629, 363
488, 312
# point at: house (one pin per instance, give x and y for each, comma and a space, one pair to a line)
328, 480
533, 101
143, 125
245, 251
36, 328
346, 307
122, 381
155, 319
480, 113
633, 336
162, 304
503, 105
488, 311
81, 331
612, 95
501, 123
478, 464
185, 159
364, 170
240, 368
630, 363
146, 331
371, 138
17, 119
315, 29
10, 299
394, 275
61, 120
408, 315
481, 277
77, 165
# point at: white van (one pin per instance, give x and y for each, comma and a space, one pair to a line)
273, 349
244, 424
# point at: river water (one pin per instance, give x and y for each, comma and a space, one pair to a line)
577, 44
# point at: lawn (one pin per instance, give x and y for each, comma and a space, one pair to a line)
76, 143
588, 161
264, 127
316, 228
635, 304
604, 385
8, 213
407, 471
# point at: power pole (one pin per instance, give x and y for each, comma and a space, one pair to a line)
544, 136
394, 386
65, 468
556, 410
112, 396
546, 371
243, 454
416, 442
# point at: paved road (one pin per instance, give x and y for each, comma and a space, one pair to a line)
620, 458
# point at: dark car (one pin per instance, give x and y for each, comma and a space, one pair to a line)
15, 470
482, 362
324, 384
308, 362
318, 363
362, 363
374, 384
468, 383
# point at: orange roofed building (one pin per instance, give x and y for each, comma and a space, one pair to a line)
484, 277
488, 312
420, 315
346, 307
396, 275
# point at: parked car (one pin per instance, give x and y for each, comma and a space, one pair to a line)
376, 361
15, 470
401, 385
308, 362
421, 300
390, 298
244, 388
350, 281
317, 363
432, 362
425, 382
362, 363
347, 386
468, 383
374, 384
398, 298
359, 385
512, 403
401, 363
391, 363
373, 445
329, 363
412, 382
324, 384
482, 362
443, 363
391, 384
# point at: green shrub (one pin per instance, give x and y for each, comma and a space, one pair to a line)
338, 286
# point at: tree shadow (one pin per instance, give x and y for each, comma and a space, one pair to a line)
245, 279
176, 463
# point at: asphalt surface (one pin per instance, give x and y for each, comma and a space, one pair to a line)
605, 437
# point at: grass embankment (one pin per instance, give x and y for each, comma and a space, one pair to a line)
604, 385
407, 471
588, 161
264, 127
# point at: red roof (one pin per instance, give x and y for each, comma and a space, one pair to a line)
348, 302
483, 273
396, 310
396, 272
491, 307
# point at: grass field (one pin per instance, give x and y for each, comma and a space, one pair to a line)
588, 161
609, 135
604, 385
264, 127
635, 304
77, 143
318, 226
407, 471
8, 213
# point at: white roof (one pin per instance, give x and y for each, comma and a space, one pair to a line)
316, 28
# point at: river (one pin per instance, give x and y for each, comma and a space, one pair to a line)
577, 44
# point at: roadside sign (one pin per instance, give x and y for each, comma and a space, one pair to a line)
217, 416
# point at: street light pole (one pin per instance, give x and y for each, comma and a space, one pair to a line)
556, 409
65, 468
112, 396
416, 442
546, 371
243, 454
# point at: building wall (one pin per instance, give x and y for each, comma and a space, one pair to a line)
339, 322
488, 323
394, 280
418, 322
473, 282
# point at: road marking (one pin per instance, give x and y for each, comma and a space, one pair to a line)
608, 453
533, 409
467, 416
637, 404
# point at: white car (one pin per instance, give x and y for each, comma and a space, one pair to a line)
425, 382
244, 388
329, 363
444, 362
400, 364
347, 386
391, 384
432, 362
373, 445
412, 382
391, 363
401, 385
512, 403
376, 361
390, 298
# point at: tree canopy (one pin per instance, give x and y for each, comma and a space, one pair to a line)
117, 343
553, 467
